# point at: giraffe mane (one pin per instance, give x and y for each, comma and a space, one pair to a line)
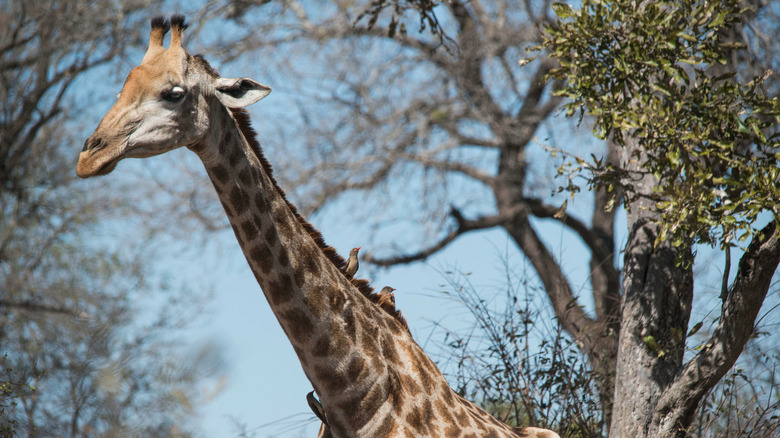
241, 116
242, 119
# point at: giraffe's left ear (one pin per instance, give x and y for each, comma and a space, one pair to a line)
240, 92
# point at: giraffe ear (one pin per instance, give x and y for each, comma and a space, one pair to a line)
240, 92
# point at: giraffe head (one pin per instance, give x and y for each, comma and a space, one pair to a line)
164, 104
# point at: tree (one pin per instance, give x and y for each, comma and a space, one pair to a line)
699, 166
446, 131
84, 352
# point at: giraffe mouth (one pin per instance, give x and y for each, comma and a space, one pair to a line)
108, 167
93, 164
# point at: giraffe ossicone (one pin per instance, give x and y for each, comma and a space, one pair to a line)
372, 378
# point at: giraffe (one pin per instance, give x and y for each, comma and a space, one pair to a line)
372, 377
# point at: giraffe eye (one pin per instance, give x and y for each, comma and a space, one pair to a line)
174, 94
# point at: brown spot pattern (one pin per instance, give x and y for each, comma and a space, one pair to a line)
300, 277
409, 385
299, 323
280, 290
261, 256
350, 327
447, 395
462, 418
269, 236
220, 173
427, 410
260, 203
227, 208
332, 382
310, 262
249, 229
389, 352
280, 218
414, 419
356, 368
245, 176
284, 260
238, 199
315, 301
235, 158
337, 300
387, 427
452, 432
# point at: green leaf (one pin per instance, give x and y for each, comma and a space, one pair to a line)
562, 10
695, 329
524, 61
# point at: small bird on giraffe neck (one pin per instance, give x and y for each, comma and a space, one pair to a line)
388, 291
316, 407
352, 263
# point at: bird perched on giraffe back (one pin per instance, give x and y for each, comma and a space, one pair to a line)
387, 292
386, 299
352, 263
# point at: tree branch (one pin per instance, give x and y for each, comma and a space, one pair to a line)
545, 211
463, 226
453, 166
30, 306
740, 308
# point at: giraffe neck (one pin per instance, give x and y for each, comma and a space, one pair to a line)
332, 327
372, 378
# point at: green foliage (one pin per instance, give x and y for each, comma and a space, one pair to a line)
656, 73
12, 388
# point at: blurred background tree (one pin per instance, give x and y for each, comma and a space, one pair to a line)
86, 348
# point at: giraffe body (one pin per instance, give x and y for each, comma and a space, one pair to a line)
372, 377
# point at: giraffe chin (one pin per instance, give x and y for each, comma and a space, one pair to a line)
87, 170
108, 168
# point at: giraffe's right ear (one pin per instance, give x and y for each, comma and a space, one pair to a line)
240, 92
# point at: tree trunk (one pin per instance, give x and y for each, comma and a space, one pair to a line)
657, 296
656, 395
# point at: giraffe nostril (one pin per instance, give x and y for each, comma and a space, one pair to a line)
93, 144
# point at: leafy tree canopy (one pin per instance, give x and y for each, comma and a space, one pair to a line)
656, 73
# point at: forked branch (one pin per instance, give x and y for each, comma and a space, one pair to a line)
740, 308
463, 226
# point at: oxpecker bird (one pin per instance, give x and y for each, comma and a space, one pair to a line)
352, 263
388, 291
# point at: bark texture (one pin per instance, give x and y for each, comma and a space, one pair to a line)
656, 394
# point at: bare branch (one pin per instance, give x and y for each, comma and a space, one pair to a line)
546, 211
452, 166
463, 226
30, 306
